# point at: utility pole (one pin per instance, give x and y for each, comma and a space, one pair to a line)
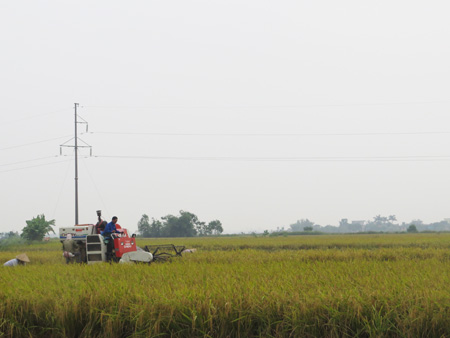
76, 166
76, 146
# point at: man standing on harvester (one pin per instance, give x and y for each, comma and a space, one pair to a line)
101, 224
109, 230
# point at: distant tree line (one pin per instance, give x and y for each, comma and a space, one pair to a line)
377, 224
9, 234
185, 225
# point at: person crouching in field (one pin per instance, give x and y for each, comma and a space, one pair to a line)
70, 250
21, 259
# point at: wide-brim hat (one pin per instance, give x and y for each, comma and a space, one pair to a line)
23, 257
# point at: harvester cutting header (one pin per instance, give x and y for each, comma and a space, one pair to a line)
109, 242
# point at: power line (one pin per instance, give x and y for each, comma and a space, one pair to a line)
288, 159
32, 160
356, 104
274, 134
36, 142
33, 166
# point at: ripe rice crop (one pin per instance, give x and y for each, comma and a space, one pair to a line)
352, 285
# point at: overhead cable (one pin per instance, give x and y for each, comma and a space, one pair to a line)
287, 159
36, 142
356, 104
33, 166
274, 134
32, 160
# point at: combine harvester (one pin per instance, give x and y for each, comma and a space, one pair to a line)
94, 247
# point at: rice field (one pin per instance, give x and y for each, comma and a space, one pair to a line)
394, 285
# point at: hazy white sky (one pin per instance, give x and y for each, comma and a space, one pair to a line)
256, 113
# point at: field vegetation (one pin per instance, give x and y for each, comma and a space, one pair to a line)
304, 286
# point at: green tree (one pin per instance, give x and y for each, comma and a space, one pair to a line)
147, 229
185, 225
301, 224
215, 227
412, 228
309, 228
212, 228
156, 228
10, 234
144, 226
201, 228
383, 223
392, 218
37, 228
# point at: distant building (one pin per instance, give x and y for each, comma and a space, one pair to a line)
358, 226
358, 222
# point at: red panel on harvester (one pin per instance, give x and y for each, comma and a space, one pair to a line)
124, 244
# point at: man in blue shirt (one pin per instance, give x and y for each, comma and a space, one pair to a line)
110, 229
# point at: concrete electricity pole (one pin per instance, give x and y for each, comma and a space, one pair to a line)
76, 146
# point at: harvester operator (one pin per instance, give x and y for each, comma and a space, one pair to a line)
109, 230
